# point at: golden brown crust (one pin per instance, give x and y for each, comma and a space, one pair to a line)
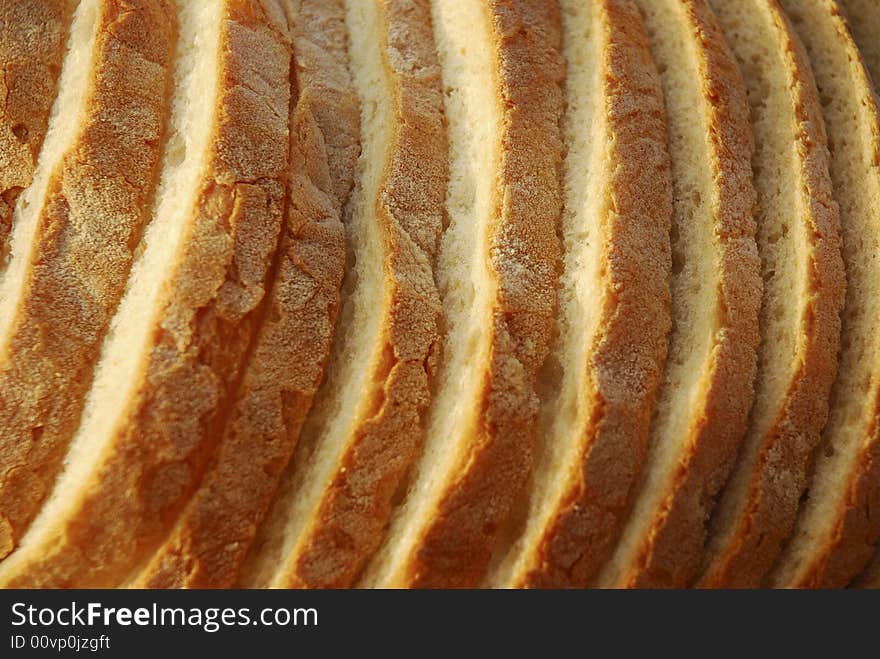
669, 553
354, 509
855, 534
217, 527
627, 352
837, 556
84, 243
320, 45
857, 530
767, 508
32, 39
164, 436
455, 545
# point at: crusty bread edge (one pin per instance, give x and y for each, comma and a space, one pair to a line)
286, 365
454, 546
846, 550
768, 511
151, 466
671, 551
355, 507
55, 334
628, 350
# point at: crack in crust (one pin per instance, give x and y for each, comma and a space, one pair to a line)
286, 365
84, 246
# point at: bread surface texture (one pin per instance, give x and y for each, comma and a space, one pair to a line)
716, 293
175, 348
497, 271
838, 524
285, 366
439, 294
75, 232
799, 244
613, 314
33, 37
365, 428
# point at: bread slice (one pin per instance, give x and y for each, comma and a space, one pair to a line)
863, 19
839, 523
799, 243
502, 75
174, 351
613, 315
716, 292
215, 531
365, 428
74, 233
33, 35
320, 43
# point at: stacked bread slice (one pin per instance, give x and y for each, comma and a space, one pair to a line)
798, 241
32, 36
839, 523
365, 429
716, 292
74, 235
285, 364
613, 312
496, 273
175, 346
435, 293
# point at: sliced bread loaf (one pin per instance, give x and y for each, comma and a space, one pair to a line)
366, 428
177, 341
497, 272
75, 231
599, 384
215, 531
799, 244
839, 522
33, 35
716, 293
